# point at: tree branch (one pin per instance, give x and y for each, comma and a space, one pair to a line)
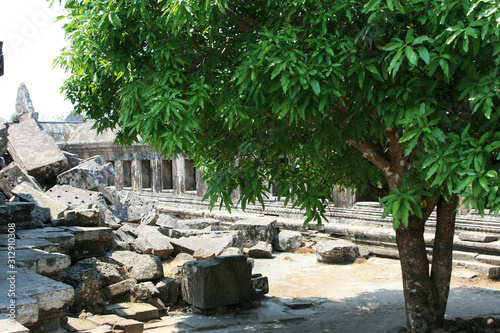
373, 154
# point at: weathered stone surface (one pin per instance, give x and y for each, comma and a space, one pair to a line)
144, 290
87, 175
35, 151
73, 159
90, 241
217, 282
262, 283
3, 135
39, 198
52, 265
55, 235
289, 241
202, 254
83, 277
23, 214
119, 288
40, 301
169, 290
13, 175
159, 243
123, 257
109, 273
10, 326
256, 230
141, 246
137, 311
74, 197
216, 242
231, 251
336, 251
146, 267
83, 217
261, 250
479, 237
150, 219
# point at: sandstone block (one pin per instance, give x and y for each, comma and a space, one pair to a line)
83, 217
202, 254
146, 267
39, 198
289, 241
169, 290
217, 282
480, 237
256, 230
143, 291
119, 288
261, 250
13, 175
35, 151
332, 251
88, 175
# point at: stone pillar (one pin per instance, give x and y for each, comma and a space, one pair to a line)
136, 175
119, 175
178, 170
201, 186
156, 173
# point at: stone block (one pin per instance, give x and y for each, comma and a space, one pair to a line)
202, 254
55, 235
4, 125
169, 290
480, 237
261, 250
129, 326
83, 217
74, 197
159, 244
28, 193
13, 175
332, 251
289, 241
52, 265
88, 175
216, 242
262, 283
35, 151
8, 325
217, 282
256, 230
232, 251
146, 267
143, 291
138, 311
20, 213
90, 241
125, 258
119, 288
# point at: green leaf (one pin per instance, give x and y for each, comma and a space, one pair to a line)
424, 54
315, 86
444, 66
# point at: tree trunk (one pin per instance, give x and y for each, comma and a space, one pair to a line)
426, 294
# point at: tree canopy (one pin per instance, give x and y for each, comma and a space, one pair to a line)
400, 97
240, 84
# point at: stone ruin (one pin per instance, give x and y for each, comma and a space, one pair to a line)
118, 235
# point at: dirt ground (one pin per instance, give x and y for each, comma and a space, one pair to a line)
363, 297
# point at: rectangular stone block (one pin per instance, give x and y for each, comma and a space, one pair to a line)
88, 175
13, 175
217, 282
44, 263
480, 237
39, 198
119, 288
254, 230
35, 151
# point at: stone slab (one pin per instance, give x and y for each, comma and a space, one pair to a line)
480, 237
8, 325
137, 311
44, 263
30, 194
13, 175
492, 272
215, 242
88, 175
65, 240
91, 234
74, 197
35, 151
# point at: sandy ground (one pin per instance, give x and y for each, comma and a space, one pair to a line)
362, 297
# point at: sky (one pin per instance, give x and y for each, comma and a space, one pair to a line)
31, 41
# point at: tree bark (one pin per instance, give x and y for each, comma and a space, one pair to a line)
426, 293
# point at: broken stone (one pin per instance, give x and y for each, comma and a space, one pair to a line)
13, 175
169, 290
256, 230
261, 250
137, 311
184, 257
109, 273
143, 291
141, 246
119, 288
217, 282
74, 197
231, 251
216, 242
146, 267
83, 277
332, 251
150, 219
35, 151
127, 233
90, 241
159, 243
202, 254
83, 217
479, 237
262, 283
73, 159
289, 241
39, 198
125, 258
88, 174
3, 135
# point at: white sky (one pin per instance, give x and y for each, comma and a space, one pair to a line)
31, 42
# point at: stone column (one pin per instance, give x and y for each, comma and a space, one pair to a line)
136, 175
178, 172
156, 173
201, 186
119, 175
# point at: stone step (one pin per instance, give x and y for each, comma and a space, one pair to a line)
491, 271
39, 301
8, 325
488, 259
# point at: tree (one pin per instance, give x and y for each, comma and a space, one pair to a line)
400, 97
